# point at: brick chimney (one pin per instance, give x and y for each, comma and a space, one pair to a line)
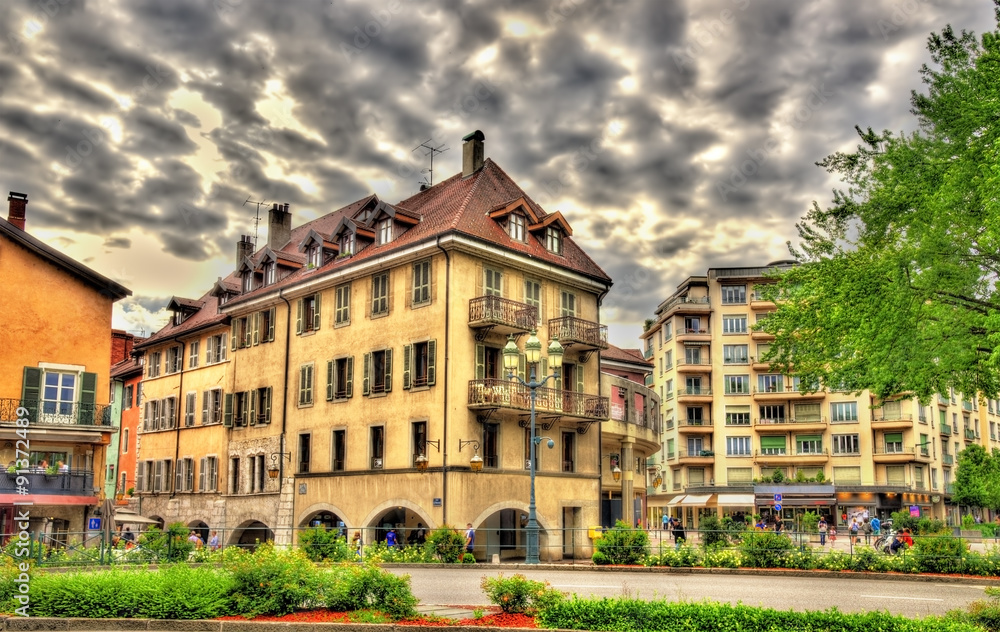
121, 345
244, 248
279, 228
18, 202
472, 153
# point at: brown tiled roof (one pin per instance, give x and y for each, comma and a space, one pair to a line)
207, 316
625, 355
126, 368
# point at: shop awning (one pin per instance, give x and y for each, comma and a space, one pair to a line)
696, 500
676, 500
735, 500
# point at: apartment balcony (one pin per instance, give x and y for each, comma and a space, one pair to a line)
759, 302
695, 426
783, 392
776, 456
582, 335
694, 334
790, 424
757, 365
947, 459
83, 416
695, 457
694, 395
643, 419
703, 366
760, 335
949, 488
512, 396
970, 434
501, 315
687, 305
901, 454
648, 353
75, 487
945, 430
892, 422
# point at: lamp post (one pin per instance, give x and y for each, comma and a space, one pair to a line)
532, 355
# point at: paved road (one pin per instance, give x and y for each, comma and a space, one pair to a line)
460, 586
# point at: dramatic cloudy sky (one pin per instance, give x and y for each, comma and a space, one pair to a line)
139, 127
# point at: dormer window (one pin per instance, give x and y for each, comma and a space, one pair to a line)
515, 227
178, 318
313, 256
270, 273
385, 231
347, 243
553, 240
247, 281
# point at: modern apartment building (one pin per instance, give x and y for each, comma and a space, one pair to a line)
731, 422
350, 371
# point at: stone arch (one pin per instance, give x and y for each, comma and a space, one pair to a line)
381, 508
374, 530
543, 524
306, 514
249, 532
160, 522
500, 530
201, 528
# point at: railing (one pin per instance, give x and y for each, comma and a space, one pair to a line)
945, 429
772, 452
970, 434
892, 417
635, 417
681, 392
648, 353
694, 331
684, 300
572, 329
56, 413
71, 483
767, 421
512, 394
949, 488
947, 459
819, 452
966, 405
681, 363
774, 388
891, 448
695, 454
700, 423
503, 311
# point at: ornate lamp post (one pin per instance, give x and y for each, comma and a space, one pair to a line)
532, 355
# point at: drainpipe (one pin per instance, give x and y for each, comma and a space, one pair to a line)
447, 380
177, 429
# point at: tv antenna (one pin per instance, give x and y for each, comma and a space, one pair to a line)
431, 150
256, 219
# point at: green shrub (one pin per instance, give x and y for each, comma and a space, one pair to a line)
274, 581
352, 587
319, 544
468, 558
520, 594
447, 544
722, 558
834, 561
765, 549
600, 559
986, 612
866, 558
810, 522
172, 545
623, 545
685, 556
9, 572
804, 560
712, 532
939, 554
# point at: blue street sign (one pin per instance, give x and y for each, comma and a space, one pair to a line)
777, 498
94, 524
777, 507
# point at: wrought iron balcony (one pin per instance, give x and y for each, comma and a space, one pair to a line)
579, 333
55, 413
502, 314
71, 483
945, 429
513, 395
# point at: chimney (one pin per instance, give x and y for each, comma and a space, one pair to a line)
279, 229
244, 248
472, 153
17, 203
121, 345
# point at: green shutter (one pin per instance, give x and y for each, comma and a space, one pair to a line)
267, 406
227, 411
316, 317
894, 437
388, 370
88, 399
31, 388
366, 376
252, 407
579, 378
407, 351
232, 334
803, 438
431, 362
350, 376
256, 328
298, 316
772, 442
329, 380
270, 326
480, 362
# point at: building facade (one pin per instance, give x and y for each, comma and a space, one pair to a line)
54, 375
357, 370
738, 435
126, 393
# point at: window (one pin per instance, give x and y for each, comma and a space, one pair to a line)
772, 445
346, 244
772, 414
696, 476
734, 323
241, 332
735, 354
385, 231
184, 475
247, 279
377, 447
738, 446
241, 408
841, 412
152, 365
737, 415
491, 445
175, 358
264, 326
847, 476
807, 412
339, 450
211, 406
270, 273
734, 294
895, 475
306, 385
515, 226
127, 396
739, 476
553, 240
569, 451
492, 282
194, 351
533, 297
737, 384
305, 452
670, 448
215, 349
676, 476
692, 355
668, 359
314, 256
260, 411
380, 294
257, 472
695, 446
125, 441
421, 283
308, 316
418, 433
809, 444
693, 326
567, 304
144, 476
342, 311
770, 383
925, 445
208, 477
339, 378
190, 403
419, 364
893, 442
378, 372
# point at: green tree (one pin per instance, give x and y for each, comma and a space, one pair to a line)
896, 291
976, 479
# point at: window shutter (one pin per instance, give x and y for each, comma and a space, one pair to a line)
431, 362
270, 326
266, 407
232, 334
894, 437
222, 348
190, 475
88, 399
256, 327
579, 378
407, 352
227, 411
145, 417
140, 476
366, 379
204, 406
213, 476
157, 476
388, 370
203, 466
316, 317
329, 380
209, 345
350, 376
298, 316
179, 476
772, 442
252, 407
543, 370
480, 362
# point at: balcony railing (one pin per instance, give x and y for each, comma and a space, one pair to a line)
647, 419
883, 416
696, 390
895, 448
699, 423
572, 330
685, 300
72, 483
947, 459
495, 310
56, 413
512, 394
945, 429
970, 434
648, 353
695, 454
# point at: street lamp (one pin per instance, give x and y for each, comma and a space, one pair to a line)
476, 462
511, 359
616, 472
421, 461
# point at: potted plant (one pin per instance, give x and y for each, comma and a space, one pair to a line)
11, 471
130, 491
52, 470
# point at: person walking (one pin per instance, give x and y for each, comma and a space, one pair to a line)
679, 535
356, 543
866, 528
665, 522
876, 526
822, 526
213, 542
854, 532
470, 538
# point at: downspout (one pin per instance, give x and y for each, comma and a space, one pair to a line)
447, 380
177, 431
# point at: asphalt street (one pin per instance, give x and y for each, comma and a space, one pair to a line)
460, 586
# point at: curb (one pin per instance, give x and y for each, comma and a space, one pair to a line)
32, 624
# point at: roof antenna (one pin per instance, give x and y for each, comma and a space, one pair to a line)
256, 219
431, 150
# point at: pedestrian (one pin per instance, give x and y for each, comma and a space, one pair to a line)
670, 526
876, 526
213, 542
195, 540
665, 523
470, 538
866, 528
822, 527
679, 535
128, 535
833, 535
356, 543
390, 538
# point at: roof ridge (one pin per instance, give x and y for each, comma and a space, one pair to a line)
468, 196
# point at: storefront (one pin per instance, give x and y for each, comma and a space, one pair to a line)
794, 501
